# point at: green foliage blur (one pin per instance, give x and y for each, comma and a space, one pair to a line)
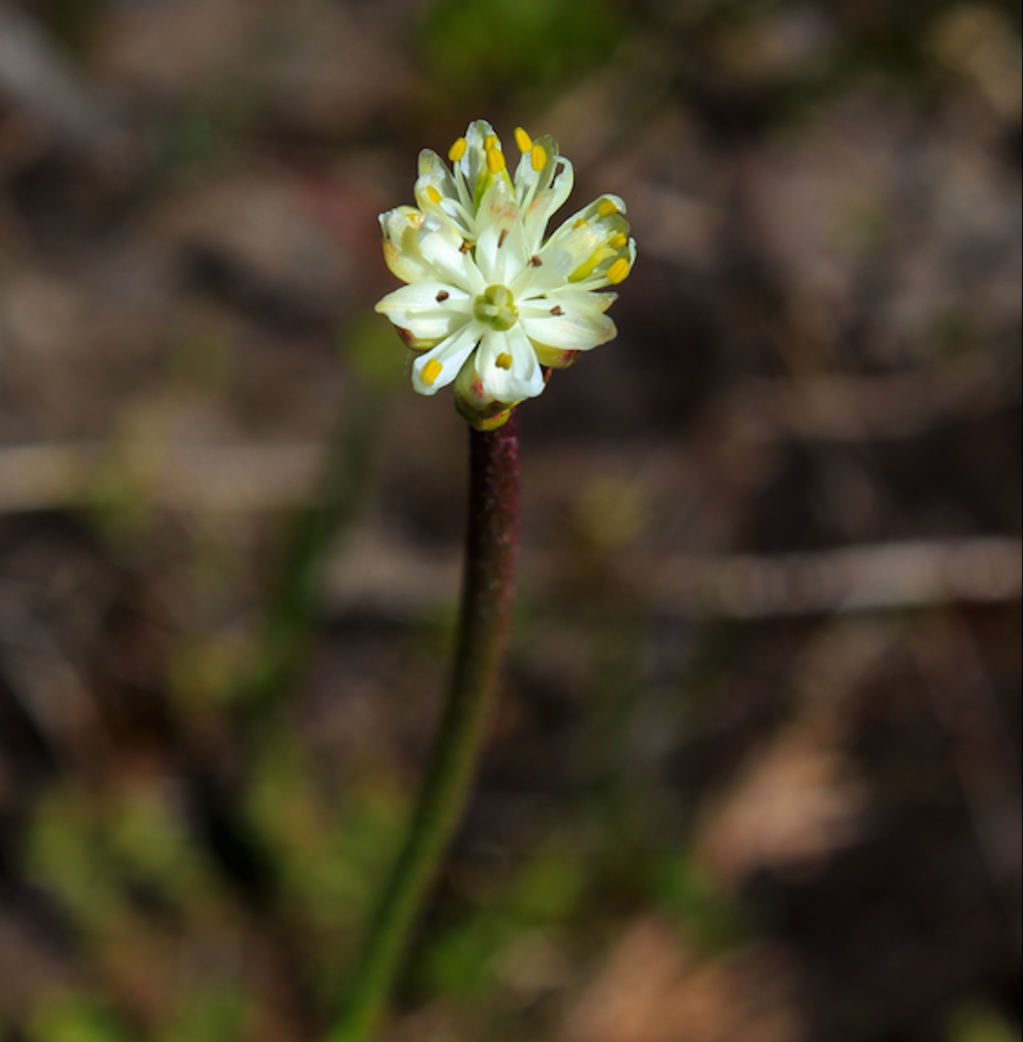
496, 49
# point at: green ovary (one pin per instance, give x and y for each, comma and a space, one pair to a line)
496, 308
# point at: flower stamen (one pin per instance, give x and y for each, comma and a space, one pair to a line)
523, 140
458, 150
431, 371
619, 271
585, 270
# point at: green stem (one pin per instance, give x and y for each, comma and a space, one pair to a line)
488, 594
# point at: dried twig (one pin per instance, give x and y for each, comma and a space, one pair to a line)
380, 576
190, 478
860, 578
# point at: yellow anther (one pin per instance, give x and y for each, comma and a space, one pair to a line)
504, 361
490, 142
495, 161
431, 371
619, 271
523, 140
581, 223
539, 157
458, 149
619, 242
607, 208
434, 195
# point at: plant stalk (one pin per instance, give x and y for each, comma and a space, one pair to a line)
484, 625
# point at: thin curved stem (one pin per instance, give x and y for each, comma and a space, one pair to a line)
485, 622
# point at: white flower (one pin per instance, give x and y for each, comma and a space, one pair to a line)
543, 181
489, 302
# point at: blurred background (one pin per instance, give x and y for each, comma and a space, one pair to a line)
755, 776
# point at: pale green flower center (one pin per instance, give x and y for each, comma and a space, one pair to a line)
496, 308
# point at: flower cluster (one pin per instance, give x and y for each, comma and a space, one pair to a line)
492, 304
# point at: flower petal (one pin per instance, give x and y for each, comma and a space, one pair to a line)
473, 165
437, 193
552, 358
446, 253
542, 193
611, 271
508, 367
427, 313
427, 297
500, 251
401, 243
570, 295
587, 245
473, 401
433, 171
439, 367
474, 162
605, 207
567, 323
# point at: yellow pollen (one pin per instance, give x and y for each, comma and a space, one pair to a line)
620, 241
435, 196
607, 208
431, 371
504, 361
539, 157
619, 271
490, 142
523, 140
495, 161
458, 149
581, 223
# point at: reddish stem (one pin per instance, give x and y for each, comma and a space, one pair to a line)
485, 623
